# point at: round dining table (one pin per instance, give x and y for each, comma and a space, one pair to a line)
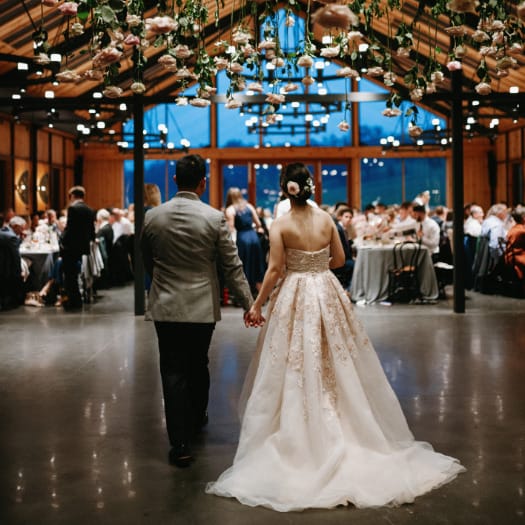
41, 257
371, 274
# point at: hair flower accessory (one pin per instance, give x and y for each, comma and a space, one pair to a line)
309, 186
292, 187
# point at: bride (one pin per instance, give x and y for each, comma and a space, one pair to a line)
321, 425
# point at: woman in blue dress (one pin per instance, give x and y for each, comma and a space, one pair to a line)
244, 223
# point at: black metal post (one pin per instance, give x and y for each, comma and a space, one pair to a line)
457, 192
138, 190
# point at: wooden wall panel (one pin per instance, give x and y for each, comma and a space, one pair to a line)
5, 137
501, 184
57, 149
22, 141
104, 182
515, 145
476, 174
70, 152
42, 145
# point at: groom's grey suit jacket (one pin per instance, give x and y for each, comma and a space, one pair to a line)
183, 242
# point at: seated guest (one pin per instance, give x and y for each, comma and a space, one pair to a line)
427, 230
120, 223
472, 225
494, 228
7, 215
104, 236
16, 228
515, 247
404, 222
11, 282
343, 217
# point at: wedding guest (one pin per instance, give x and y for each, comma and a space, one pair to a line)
423, 199
183, 241
283, 206
9, 213
515, 247
152, 196
343, 219
494, 227
11, 279
245, 223
16, 228
75, 242
472, 225
104, 236
120, 223
52, 220
404, 222
427, 230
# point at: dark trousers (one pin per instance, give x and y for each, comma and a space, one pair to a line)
185, 376
71, 264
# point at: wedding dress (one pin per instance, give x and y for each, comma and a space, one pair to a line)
321, 425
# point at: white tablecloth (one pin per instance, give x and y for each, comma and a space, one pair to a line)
42, 259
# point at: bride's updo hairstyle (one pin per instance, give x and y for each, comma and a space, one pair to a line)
296, 182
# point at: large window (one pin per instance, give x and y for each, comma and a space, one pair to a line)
235, 176
267, 185
334, 182
374, 125
158, 172
394, 180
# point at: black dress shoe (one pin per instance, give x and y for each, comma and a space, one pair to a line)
180, 456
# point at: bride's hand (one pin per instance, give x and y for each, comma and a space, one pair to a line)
253, 317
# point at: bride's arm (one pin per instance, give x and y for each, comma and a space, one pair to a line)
272, 275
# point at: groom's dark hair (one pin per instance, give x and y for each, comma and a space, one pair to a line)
189, 171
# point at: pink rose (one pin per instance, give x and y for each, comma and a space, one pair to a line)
292, 188
132, 40
108, 55
454, 65
68, 8
161, 24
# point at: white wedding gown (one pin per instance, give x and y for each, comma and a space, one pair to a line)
321, 425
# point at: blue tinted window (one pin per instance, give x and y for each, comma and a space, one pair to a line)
426, 174
159, 172
334, 179
235, 176
381, 181
394, 180
374, 125
267, 185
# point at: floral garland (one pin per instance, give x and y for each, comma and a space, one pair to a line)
119, 26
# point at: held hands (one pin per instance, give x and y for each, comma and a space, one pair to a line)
254, 317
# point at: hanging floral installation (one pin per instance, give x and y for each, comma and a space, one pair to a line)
347, 33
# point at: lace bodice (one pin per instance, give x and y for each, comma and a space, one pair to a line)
303, 261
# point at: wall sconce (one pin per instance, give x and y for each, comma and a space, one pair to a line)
22, 187
43, 189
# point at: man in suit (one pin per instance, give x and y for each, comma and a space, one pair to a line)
184, 241
343, 219
75, 242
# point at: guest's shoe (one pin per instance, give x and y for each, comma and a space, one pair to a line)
180, 456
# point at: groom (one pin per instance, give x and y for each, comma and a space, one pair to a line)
184, 241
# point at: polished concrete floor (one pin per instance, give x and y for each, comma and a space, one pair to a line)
82, 437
